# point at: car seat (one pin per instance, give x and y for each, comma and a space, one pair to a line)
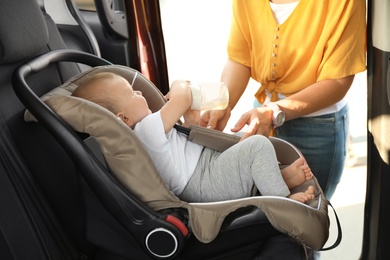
91, 210
141, 179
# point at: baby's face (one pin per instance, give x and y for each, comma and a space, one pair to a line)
132, 104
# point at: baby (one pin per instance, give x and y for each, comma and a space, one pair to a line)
193, 172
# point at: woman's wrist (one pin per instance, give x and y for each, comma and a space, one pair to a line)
278, 116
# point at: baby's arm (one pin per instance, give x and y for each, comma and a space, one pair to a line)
179, 101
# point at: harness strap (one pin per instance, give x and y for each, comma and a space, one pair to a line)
339, 231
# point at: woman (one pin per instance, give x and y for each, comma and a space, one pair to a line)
304, 54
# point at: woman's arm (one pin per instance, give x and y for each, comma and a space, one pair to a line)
316, 97
313, 98
236, 77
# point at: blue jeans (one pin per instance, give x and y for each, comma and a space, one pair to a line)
323, 141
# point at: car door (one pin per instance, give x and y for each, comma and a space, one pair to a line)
377, 212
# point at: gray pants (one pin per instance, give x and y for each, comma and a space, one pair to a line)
232, 173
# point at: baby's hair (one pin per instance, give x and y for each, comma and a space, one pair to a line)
96, 88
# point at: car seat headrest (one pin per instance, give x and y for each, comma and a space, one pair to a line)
23, 30
153, 96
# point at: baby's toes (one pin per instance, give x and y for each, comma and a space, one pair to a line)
310, 190
307, 171
308, 175
300, 162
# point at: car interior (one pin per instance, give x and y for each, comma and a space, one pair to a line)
60, 199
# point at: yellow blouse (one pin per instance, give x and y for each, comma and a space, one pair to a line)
321, 39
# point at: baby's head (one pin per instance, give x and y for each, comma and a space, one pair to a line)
115, 94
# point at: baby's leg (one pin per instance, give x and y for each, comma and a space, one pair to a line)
303, 197
259, 153
232, 173
296, 173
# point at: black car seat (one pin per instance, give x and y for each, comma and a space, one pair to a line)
101, 219
25, 147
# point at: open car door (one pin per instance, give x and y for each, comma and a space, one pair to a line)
377, 212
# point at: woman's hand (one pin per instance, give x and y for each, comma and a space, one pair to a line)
191, 117
259, 121
215, 119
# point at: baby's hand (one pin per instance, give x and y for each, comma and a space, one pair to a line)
179, 102
179, 89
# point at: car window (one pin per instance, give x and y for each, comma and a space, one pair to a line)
196, 34
87, 5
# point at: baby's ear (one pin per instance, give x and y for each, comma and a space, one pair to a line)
125, 119
121, 116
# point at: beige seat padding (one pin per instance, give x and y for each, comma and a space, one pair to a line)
131, 165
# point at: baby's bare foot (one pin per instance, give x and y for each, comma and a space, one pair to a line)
303, 197
296, 173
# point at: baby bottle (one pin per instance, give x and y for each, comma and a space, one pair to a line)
209, 96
